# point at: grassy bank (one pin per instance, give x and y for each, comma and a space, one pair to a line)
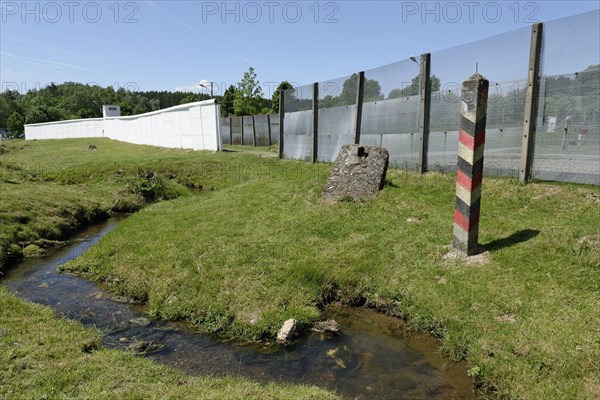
263, 247
42, 357
50, 189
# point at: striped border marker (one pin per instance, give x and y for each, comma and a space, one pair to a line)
469, 171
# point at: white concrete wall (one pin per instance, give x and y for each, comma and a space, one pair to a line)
188, 126
75, 128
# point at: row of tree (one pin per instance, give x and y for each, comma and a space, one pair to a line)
71, 100
577, 96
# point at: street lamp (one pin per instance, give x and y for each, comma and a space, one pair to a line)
204, 83
414, 59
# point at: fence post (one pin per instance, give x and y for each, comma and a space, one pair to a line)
281, 118
253, 132
424, 110
360, 90
230, 130
315, 121
531, 103
469, 172
242, 127
270, 141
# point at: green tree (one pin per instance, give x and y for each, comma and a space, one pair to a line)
227, 102
154, 104
285, 85
141, 105
8, 105
190, 98
413, 88
248, 97
15, 123
372, 90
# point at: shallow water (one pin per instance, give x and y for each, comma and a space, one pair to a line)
373, 357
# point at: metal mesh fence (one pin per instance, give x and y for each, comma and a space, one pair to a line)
504, 130
297, 129
567, 141
225, 131
261, 129
390, 111
265, 126
237, 130
337, 115
274, 118
247, 130
503, 60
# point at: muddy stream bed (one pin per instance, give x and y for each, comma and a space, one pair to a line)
372, 358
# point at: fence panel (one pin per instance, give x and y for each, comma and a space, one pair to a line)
262, 130
247, 121
337, 115
567, 141
225, 124
390, 114
274, 129
298, 123
237, 130
503, 60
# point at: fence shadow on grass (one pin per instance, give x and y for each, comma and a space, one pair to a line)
517, 237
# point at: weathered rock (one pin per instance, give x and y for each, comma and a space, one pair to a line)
359, 172
287, 332
330, 326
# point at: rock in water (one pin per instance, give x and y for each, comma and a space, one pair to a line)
359, 172
287, 331
330, 326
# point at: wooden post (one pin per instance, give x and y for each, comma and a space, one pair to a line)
315, 122
230, 130
281, 118
360, 91
424, 110
531, 103
270, 141
253, 132
469, 172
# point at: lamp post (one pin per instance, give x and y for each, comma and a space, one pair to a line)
414, 59
211, 87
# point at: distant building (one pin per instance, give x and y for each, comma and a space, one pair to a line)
111, 111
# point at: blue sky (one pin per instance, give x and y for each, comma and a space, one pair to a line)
168, 45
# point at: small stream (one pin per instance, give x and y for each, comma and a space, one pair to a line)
373, 357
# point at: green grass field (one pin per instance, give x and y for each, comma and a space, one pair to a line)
257, 246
